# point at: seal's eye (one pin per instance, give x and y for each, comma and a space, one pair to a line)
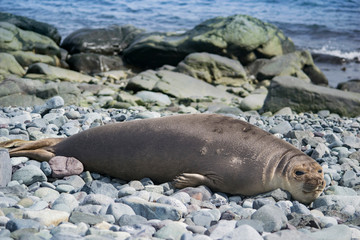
299, 173
320, 171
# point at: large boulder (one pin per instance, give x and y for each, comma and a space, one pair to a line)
239, 36
300, 96
47, 72
91, 63
298, 64
27, 92
351, 86
9, 65
27, 58
177, 85
108, 41
13, 38
213, 69
31, 25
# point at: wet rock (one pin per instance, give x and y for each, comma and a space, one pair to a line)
290, 91
90, 63
108, 41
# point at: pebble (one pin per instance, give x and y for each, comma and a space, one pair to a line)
99, 187
29, 174
173, 230
5, 167
48, 217
65, 166
272, 217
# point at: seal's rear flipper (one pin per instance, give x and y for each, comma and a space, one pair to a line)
40, 150
194, 179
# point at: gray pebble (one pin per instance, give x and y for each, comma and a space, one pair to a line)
119, 209
272, 217
29, 174
125, 220
16, 224
45, 167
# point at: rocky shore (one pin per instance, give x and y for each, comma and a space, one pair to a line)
238, 66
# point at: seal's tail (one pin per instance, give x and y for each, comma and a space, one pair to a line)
39, 150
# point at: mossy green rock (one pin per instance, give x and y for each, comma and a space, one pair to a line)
239, 36
28, 58
13, 38
9, 65
31, 25
213, 69
286, 91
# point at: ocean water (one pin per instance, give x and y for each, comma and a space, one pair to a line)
330, 27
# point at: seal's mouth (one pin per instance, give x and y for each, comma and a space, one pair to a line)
319, 189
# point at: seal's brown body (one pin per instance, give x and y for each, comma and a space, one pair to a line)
229, 155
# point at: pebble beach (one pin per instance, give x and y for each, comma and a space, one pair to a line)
57, 88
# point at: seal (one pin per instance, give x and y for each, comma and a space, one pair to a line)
223, 153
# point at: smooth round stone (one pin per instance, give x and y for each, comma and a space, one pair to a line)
97, 199
73, 114
18, 160
16, 224
64, 188
173, 230
142, 194
205, 217
47, 194
326, 221
300, 208
173, 202
137, 185
131, 220
48, 217
333, 233
45, 167
126, 191
154, 188
222, 228
272, 217
3, 221
119, 209
182, 196
40, 205
25, 202
7, 202
348, 210
65, 166
29, 174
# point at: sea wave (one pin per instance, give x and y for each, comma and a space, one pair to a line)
351, 55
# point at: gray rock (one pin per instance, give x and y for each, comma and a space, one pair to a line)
151, 210
338, 190
283, 128
352, 141
177, 85
336, 200
333, 233
319, 151
47, 194
300, 208
47, 72
119, 209
256, 224
205, 217
99, 187
97, 199
126, 191
258, 203
243, 232
125, 220
45, 167
235, 34
253, 101
78, 217
91, 209
299, 95
5, 167
173, 230
350, 179
65, 199
288, 234
351, 85
299, 64
152, 97
213, 69
173, 202
76, 181
7, 202
201, 193
16, 224
277, 194
222, 228
29, 174
272, 217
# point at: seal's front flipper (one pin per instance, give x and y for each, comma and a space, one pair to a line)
195, 179
13, 143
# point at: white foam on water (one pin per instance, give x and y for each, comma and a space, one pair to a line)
338, 53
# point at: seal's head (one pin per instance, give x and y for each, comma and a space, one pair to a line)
306, 180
